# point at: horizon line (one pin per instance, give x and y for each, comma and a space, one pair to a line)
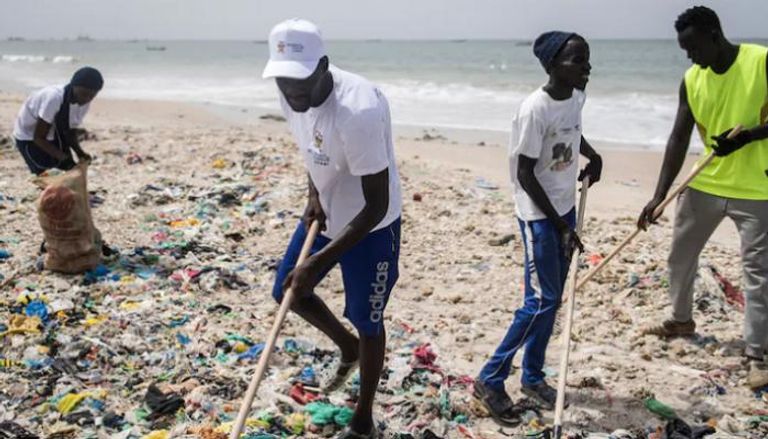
86, 38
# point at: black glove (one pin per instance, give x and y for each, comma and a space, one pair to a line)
724, 146
569, 240
593, 169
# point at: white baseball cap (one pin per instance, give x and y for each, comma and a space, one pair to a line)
295, 48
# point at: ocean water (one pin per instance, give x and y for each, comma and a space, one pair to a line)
632, 94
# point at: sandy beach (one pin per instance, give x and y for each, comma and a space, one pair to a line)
458, 288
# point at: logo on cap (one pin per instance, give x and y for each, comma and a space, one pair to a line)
295, 47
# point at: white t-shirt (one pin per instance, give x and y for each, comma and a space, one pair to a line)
44, 104
348, 136
550, 132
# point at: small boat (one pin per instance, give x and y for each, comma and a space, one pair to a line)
156, 48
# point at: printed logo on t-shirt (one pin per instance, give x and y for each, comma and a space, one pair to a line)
562, 157
318, 156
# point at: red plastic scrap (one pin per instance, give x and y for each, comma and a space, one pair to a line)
185, 274
407, 328
424, 359
424, 355
595, 259
732, 295
301, 395
461, 380
466, 432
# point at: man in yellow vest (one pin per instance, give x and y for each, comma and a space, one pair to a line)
726, 86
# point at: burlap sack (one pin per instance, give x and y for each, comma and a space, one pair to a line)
72, 242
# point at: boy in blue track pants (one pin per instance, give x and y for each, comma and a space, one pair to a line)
545, 143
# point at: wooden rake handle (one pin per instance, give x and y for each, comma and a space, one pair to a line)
266, 354
656, 213
566, 335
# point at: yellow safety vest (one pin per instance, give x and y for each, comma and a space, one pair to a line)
720, 102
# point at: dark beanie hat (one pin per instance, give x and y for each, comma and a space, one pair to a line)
89, 78
548, 44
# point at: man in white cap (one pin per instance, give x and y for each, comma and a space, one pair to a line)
342, 126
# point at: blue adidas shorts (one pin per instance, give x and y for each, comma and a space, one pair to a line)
369, 270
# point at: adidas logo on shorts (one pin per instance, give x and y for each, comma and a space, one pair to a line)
379, 290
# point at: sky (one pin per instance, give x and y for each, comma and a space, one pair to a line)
361, 19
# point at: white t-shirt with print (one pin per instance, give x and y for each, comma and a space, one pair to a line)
348, 136
549, 131
44, 104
